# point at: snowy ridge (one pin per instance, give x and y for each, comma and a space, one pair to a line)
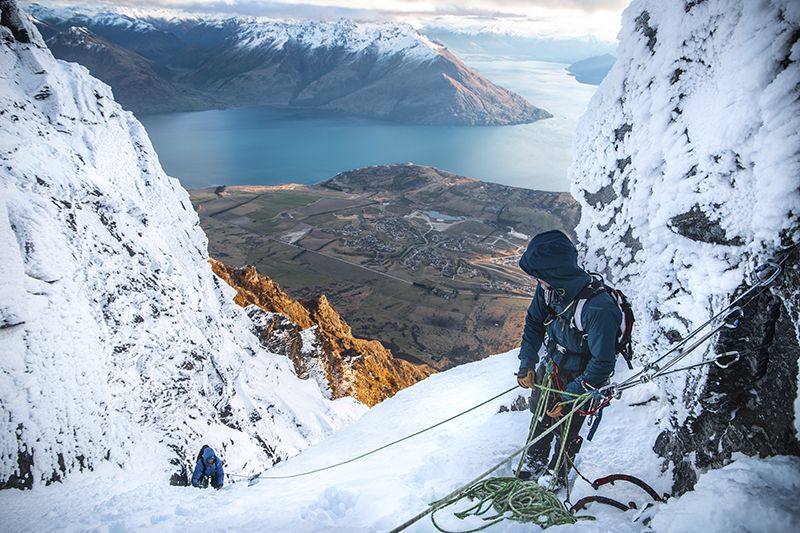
686, 169
114, 331
384, 39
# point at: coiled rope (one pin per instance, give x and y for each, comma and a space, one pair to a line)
511, 498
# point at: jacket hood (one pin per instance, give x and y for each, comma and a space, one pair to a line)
552, 257
208, 453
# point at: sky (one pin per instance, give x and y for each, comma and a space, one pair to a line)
599, 19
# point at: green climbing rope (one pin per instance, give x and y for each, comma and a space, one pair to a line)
361, 456
524, 500
510, 498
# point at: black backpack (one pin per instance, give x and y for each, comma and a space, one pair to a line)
598, 286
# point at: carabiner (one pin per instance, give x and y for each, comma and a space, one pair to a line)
734, 355
762, 277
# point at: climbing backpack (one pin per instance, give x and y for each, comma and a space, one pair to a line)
598, 286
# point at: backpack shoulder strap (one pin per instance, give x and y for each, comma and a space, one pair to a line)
595, 287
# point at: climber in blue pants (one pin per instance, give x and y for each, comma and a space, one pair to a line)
208, 469
577, 354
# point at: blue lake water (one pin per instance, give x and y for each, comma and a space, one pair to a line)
269, 147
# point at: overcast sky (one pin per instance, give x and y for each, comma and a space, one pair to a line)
548, 18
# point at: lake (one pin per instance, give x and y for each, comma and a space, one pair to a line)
268, 147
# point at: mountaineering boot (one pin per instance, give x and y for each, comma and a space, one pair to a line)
550, 481
532, 469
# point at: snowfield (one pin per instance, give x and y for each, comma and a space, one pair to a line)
383, 490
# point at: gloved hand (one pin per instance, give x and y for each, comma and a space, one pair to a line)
525, 378
556, 411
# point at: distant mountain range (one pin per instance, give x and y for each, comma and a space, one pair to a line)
162, 63
493, 44
592, 70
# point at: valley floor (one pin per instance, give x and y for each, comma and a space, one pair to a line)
381, 491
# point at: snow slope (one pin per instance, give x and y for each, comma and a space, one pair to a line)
383, 490
114, 332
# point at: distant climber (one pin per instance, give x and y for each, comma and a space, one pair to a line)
208, 469
574, 353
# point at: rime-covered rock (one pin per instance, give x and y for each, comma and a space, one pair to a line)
115, 335
687, 173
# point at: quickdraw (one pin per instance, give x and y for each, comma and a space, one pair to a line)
729, 317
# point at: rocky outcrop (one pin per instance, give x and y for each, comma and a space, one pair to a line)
687, 179
318, 341
385, 71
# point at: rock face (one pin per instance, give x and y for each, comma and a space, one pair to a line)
318, 341
116, 337
687, 178
385, 71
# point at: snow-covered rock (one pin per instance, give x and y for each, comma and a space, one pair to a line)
114, 333
686, 168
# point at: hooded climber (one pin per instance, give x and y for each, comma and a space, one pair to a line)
573, 356
208, 468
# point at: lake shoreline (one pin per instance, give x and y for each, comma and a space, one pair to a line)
273, 146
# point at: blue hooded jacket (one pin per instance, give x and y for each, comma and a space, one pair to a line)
204, 469
552, 257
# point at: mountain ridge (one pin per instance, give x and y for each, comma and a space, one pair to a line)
379, 70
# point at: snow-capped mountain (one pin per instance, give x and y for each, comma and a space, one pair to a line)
686, 169
380, 70
115, 335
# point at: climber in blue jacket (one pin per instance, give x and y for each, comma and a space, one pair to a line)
208, 468
575, 356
